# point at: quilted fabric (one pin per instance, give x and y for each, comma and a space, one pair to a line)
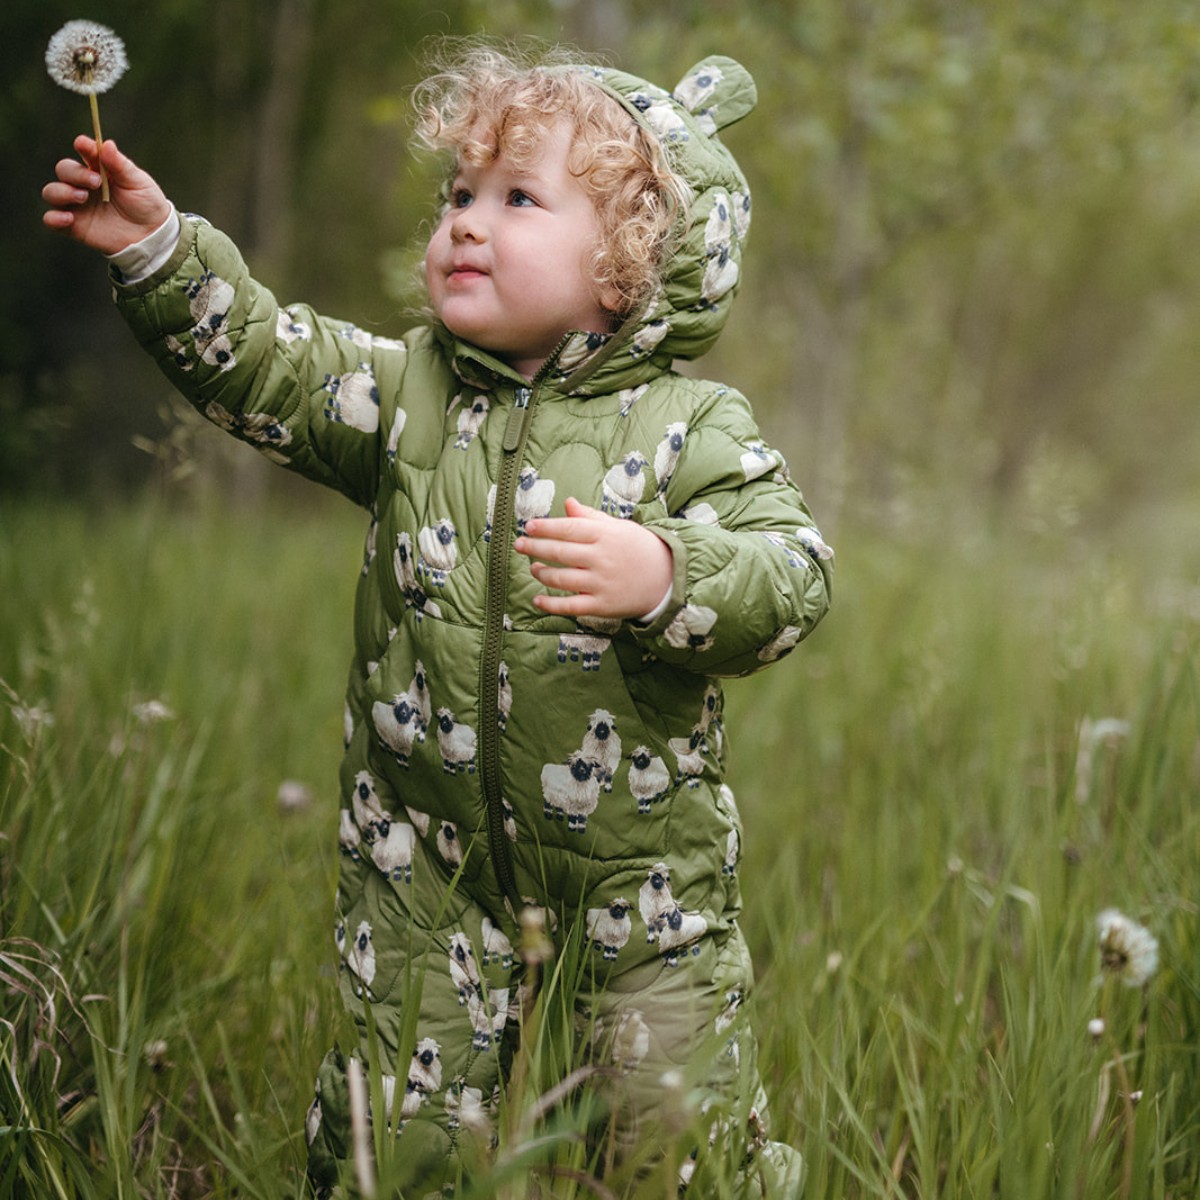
497, 757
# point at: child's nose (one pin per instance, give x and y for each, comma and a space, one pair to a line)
466, 226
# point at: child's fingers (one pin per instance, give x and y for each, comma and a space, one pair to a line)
55, 218
561, 579
574, 508
71, 172
64, 193
121, 169
567, 552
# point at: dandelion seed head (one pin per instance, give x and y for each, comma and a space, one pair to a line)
294, 796
85, 57
155, 1055
1127, 949
150, 712
33, 718
1095, 1027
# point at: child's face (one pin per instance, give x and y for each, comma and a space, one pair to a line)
506, 265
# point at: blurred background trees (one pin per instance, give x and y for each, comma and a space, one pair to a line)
972, 279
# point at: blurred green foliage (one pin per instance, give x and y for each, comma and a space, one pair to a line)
971, 277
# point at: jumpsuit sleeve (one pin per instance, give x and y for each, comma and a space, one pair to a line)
303, 389
752, 574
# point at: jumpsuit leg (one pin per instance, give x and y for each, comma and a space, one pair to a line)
686, 1098
431, 986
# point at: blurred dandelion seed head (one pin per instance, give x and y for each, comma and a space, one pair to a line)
85, 57
1127, 950
151, 712
32, 719
294, 796
1095, 1027
155, 1055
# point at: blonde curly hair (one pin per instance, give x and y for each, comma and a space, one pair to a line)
483, 102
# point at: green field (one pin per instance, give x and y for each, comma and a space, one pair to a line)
995, 737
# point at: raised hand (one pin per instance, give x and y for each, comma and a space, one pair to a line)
137, 205
610, 567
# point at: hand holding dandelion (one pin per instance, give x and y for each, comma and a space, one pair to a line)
87, 58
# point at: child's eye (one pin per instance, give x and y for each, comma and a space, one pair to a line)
520, 199
460, 198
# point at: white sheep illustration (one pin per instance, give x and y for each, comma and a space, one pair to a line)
691, 628
496, 946
698, 87
733, 850
680, 934
470, 420
534, 497
360, 955
404, 564
784, 641
689, 755
424, 1077
393, 854
726, 1017
456, 742
740, 204
583, 648
510, 819
757, 461
348, 835
490, 514
419, 699
649, 779
289, 329
702, 513
209, 299
464, 974
720, 267
420, 602
812, 541
666, 457
504, 697
398, 725
630, 396
419, 819
646, 339
369, 813
623, 485
465, 1108
571, 790
793, 559
488, 1016
439, 551
602, 744
655, 901
448, 844
608, 928
353, 399
393, 442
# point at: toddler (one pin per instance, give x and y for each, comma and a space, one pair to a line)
569, 545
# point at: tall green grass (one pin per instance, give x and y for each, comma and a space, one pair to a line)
930, 836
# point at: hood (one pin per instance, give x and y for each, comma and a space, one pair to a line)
700, 279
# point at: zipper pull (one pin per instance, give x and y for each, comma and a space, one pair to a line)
516, 419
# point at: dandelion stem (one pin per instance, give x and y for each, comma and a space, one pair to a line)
99, 146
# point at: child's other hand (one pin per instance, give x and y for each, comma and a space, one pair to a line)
611, 567
137, 206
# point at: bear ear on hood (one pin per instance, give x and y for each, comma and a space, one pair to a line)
717, 91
